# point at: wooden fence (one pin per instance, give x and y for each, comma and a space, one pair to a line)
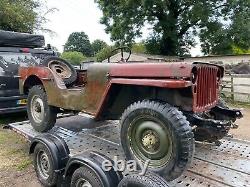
236, 88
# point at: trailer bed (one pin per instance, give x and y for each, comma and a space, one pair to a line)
212, 166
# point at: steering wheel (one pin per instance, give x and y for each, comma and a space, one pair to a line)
122, 54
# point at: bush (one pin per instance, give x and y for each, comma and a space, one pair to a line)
73, 57
139, 48
104, 53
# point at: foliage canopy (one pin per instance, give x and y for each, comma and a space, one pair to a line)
175, 24
73, 57
98, 45
23, 15
79, 41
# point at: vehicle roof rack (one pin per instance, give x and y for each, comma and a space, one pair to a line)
15, 39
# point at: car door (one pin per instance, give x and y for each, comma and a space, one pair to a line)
9, 83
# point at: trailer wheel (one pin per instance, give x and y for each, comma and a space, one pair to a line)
159, 133
41, 115
149, 180
44, 166
85, 176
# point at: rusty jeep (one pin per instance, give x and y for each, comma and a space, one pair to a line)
162, 107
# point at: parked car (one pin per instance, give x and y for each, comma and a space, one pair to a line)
17, 49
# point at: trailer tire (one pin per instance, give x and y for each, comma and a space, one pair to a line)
85, 176
149, 180
45, 166
41, 115
160, 133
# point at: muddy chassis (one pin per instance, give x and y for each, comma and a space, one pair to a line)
213, 130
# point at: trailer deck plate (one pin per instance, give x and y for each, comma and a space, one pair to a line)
212, 166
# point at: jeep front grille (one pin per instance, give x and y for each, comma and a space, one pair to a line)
206, 88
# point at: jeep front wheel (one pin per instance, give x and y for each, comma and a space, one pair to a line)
41, 115
160, 134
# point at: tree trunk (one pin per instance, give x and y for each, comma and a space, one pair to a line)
169, 43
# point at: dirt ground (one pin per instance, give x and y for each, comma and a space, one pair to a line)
243, 132
16, 165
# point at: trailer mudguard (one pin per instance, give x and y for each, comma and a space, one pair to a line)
57, 147
93, 160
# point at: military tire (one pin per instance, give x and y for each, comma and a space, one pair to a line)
149, 180
41, 115
44, 166
85, 176
158, 132
62, 68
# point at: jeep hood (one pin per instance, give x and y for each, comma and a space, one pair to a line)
154, 70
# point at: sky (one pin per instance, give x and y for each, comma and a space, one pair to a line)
77, 16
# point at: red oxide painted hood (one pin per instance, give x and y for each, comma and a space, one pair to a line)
151, 70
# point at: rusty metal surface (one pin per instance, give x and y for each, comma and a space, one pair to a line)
206, 87
166, 83
212, 166
101, 77
151, 70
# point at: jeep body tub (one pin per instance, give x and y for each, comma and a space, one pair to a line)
106, 89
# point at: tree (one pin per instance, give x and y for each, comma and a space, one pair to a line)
139, 48
79, 41
104, 53
239, 51
73, 57
23, 15
174, 23
98, 45
234, 38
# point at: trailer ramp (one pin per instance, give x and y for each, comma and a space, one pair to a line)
212, 166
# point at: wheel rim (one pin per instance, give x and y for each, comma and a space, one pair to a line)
83, 183
43, 164
62, 70
37, 109
149, 139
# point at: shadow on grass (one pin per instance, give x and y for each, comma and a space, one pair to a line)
12, 118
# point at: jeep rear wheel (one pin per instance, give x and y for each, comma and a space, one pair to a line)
41, 115
159, 133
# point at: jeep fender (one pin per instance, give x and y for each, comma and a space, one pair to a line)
94, 161
57, 147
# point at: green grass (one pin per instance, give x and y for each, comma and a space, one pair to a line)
24, 164
238, 104
13, 151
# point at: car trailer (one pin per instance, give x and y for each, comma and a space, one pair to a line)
227, 164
